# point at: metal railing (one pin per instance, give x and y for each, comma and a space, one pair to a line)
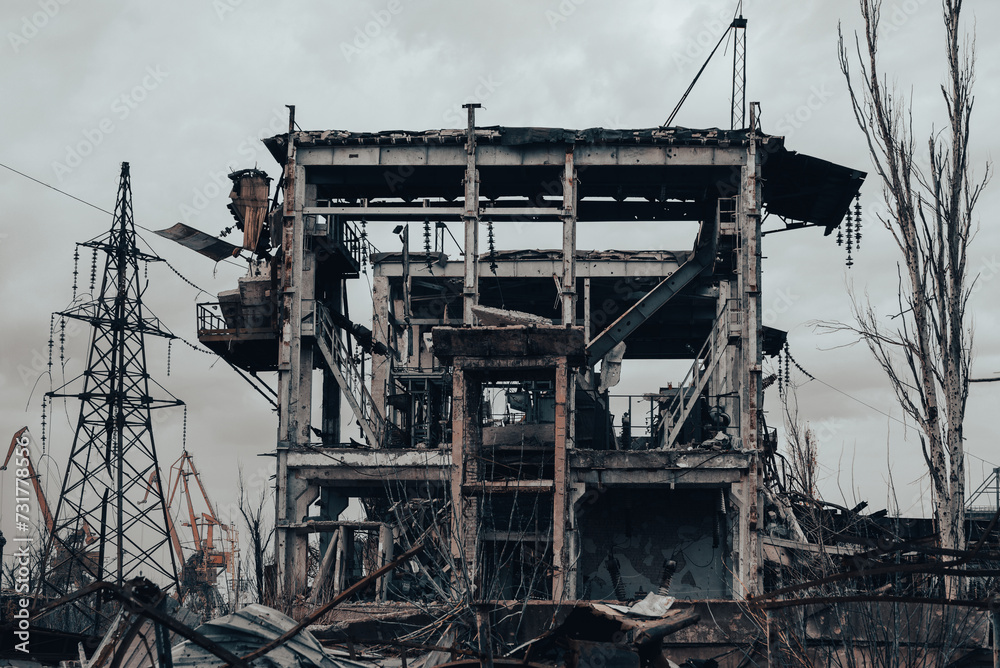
210, 318
678, 408
352, 241
234, 317
641, 428
345, 234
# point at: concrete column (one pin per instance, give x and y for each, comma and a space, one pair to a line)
565, 387
382, 334
748, 217
465, 441
470, 289
569, 241
749, 359
295, 366
576, 491
283, 538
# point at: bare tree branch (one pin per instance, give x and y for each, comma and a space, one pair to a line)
926, 358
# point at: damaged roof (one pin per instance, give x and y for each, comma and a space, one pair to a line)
796, 187
512, 136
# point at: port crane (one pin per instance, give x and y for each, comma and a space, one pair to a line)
214, 543
83, 538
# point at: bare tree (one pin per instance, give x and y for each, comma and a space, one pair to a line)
926, 353
802, 448
260, 535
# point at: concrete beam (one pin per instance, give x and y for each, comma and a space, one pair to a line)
589, 210
372, 459
632, 267
526, 155
660, 459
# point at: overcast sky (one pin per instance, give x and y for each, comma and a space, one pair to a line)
184, 90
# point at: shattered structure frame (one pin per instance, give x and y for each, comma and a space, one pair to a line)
483, 389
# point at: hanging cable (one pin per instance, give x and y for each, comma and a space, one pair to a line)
183, 278
798, 366
110, 213
698, 75
62, 192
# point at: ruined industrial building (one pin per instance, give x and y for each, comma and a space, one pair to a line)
481, 390
466, 478
487, 429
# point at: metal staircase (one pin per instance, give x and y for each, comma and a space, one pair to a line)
677, 411
349, 376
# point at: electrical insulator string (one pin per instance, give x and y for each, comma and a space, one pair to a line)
52, 331
62, 343
93, 270
364, 245
76, 268
44, 404
493, 246
857, 222
849, 237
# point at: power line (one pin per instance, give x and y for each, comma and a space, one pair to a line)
102, 210
867, 405
62, 192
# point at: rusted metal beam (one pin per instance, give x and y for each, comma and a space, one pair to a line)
655, 632
872, 598
699, 261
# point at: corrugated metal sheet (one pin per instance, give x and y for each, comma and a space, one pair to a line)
250, 628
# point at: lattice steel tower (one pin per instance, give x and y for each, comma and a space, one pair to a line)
103, 530
737, 114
